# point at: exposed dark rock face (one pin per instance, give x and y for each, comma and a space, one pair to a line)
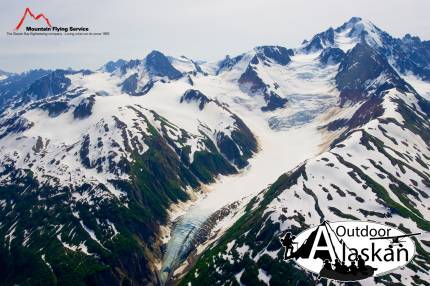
129, 85
55, 108
240, 145
359, 68
227, 63
147, 87
190, 80
157, 64
337, 124
425, 106
84, 108
14, 125
111, 66
195, 95
321, 40
15, 84
49, 85
230, 150
361, 64
275, 54
130, 65
410, 54
245, 140
369, 110
84, 151
274, 101
364, 77
331, 56
251, 81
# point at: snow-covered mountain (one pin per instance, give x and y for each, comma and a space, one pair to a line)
252, 73
409, 55
95, 165
376, 168
81, 143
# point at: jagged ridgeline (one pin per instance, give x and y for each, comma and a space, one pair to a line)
376, 169
94, 163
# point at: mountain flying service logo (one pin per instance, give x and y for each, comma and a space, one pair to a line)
350, 250
39, 24
28, 12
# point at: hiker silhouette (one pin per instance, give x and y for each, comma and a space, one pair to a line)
287, 242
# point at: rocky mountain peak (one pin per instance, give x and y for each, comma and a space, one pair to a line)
356, 30
111, 66
157, 64
276, 54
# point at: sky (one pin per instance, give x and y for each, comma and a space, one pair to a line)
199, 29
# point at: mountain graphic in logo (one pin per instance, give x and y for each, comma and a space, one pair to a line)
35, 17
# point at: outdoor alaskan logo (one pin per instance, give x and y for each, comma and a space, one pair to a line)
350, 250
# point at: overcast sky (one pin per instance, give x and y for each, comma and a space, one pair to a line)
200, 29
